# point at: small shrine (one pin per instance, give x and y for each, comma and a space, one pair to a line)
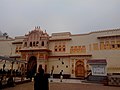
98, 69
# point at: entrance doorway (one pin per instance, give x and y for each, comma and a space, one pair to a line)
79, 69
31, 66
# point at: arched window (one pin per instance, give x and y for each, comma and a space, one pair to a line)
42, 43
63, 48
33, 43
55, 47
37, 43
25, 44
30, 44
60, 48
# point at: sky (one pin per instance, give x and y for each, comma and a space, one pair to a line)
18, 17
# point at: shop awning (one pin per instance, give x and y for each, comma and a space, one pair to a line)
97, 61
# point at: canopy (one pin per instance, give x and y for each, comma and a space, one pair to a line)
97, 61
12, 60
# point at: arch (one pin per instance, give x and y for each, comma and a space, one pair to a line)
30, 44
37, 43
42, 43
31, 66
79, 69
25, 44
34, 43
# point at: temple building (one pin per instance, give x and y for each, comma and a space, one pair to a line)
63, 51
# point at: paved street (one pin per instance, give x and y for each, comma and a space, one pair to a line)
66, 85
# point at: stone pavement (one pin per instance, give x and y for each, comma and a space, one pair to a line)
67, 84
66, 80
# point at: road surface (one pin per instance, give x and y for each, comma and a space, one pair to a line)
65, 86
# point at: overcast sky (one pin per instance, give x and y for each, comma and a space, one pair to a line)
18, 17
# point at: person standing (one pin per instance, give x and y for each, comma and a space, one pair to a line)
41, 80
61, 75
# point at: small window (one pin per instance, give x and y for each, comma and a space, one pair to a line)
55, 49
17, 50
66, 66
63, 45
55, 46
33, 43
60, 46
59, 49
30, 44
63, 49
42, 43
113, 46
25, 45
118, 45
37, 43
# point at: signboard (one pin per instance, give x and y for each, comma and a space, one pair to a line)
99, 70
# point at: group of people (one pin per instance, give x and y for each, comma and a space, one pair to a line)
41, 81
8, 72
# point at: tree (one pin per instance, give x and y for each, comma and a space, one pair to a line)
5, 34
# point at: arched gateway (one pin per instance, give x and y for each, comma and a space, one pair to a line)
31, 66
79, 69
35, 48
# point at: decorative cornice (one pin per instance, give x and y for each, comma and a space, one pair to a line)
97, 61
106, 30
34, 49
17, 42
71, 55
60, 39
100, 31
109, 36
